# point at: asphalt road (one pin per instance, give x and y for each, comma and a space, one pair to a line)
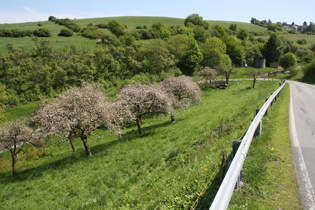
302, 127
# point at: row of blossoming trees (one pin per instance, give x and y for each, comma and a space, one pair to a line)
81, 110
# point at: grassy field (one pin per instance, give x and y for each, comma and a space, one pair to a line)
83, 43
270, 181
169, 166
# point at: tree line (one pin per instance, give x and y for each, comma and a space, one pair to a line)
121, 57
278, 26
42, 32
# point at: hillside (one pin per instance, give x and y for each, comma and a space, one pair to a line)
169, 166
130, 21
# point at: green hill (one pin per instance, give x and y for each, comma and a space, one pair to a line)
130, 21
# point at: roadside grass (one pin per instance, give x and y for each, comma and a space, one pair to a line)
269, 175
168, 167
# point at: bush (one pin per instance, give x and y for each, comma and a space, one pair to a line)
15, 33
12, 100
102, 25
66, 33
293, 72
42, 32
91, 32
301, 41
309, 69
288, 60
52, 18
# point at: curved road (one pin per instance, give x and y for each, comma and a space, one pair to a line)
302, 127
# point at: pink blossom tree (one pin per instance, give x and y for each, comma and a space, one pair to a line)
14, 136
78, 112
140, 100
182, 91
208, 73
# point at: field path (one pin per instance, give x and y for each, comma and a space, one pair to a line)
302, 127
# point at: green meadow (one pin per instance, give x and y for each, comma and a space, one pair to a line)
170, 166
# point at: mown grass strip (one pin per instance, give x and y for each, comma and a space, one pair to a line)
270, 181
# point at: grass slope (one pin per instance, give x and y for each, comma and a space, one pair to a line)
270, 181
169, 166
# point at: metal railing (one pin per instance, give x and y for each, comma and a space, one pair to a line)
232, 177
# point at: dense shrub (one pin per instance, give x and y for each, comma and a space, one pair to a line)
102, 25
91, 32
301, 41
66, 22
309, 69
42, 32
66, 32
288, 60
15, 33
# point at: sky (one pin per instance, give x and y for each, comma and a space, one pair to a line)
19, 11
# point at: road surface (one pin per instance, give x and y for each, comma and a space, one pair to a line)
302, 127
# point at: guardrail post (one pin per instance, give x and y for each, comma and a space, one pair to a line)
258, 130
239, 181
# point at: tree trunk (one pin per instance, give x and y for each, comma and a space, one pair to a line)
72, 145
254, 82
227, 76
71, 137
172, 118
13, 155
139, 126
86, 146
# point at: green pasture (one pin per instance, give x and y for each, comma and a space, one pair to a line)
83, 43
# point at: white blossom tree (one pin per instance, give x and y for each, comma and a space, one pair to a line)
77, 112
182, 91
208, 73
14, 136
140, 100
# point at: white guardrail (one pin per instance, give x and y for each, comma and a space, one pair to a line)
224, 194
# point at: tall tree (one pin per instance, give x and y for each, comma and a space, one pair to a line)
234, 49
192, 59
212, 51
271, 50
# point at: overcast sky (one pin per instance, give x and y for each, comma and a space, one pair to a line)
17, 11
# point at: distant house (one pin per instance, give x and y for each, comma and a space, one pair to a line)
303, 28
290, 27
